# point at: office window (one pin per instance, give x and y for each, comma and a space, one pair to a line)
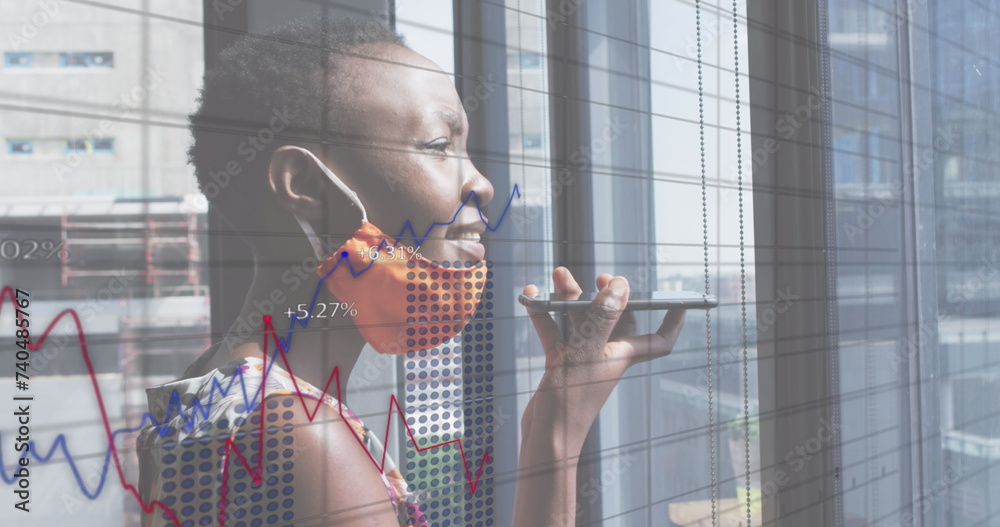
531, 61
701, 234
104, 146
65, 59
915, 192
87, 59
17, 59
20, 146
959, 160
528, 61
76, 145
110, 228
616, 134
532, 142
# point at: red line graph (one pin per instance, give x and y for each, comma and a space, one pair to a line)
230, 446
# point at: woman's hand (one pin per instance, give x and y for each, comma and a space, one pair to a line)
581, 371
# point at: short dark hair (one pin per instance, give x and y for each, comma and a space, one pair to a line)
271, 89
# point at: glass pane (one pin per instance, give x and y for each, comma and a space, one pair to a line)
963, 160
919, 436
530, 169
100, 214
697, 240
871, 261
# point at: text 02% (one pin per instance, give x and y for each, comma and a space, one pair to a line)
30, 249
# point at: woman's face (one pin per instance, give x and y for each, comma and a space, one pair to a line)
408, 160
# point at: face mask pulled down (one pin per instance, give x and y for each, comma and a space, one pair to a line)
402, 305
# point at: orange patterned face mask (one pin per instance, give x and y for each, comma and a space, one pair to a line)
401, 305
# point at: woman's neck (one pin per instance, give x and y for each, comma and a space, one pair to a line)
327, 340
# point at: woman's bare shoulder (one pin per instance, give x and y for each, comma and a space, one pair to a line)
335, 481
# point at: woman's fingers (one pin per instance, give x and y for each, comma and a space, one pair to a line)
672, 324
645, 347
600, 319
566, 286
625, 327
547, 329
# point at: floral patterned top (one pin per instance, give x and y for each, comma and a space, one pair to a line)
182, 461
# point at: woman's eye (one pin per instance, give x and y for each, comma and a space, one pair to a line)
441, 145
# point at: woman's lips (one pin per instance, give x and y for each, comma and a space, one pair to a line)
468, 242
473, 248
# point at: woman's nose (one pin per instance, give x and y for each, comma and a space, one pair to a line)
478, 184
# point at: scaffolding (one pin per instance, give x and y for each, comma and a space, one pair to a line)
88, 241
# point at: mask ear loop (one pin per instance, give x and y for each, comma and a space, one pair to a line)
307, 228
340, 185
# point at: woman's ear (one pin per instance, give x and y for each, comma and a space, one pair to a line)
298, 183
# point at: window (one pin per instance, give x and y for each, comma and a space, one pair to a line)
842, 205
65, 59
17, 60
105, 226
532, 142
20, 147
531, 61
957, 157
87, 59
102, 146
699, 238
76, 145
899, 362
527, 61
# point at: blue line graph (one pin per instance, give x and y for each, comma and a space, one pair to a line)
59, 443
419, 240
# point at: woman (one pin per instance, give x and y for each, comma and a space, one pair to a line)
343, 136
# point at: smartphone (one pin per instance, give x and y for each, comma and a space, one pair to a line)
648, 301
